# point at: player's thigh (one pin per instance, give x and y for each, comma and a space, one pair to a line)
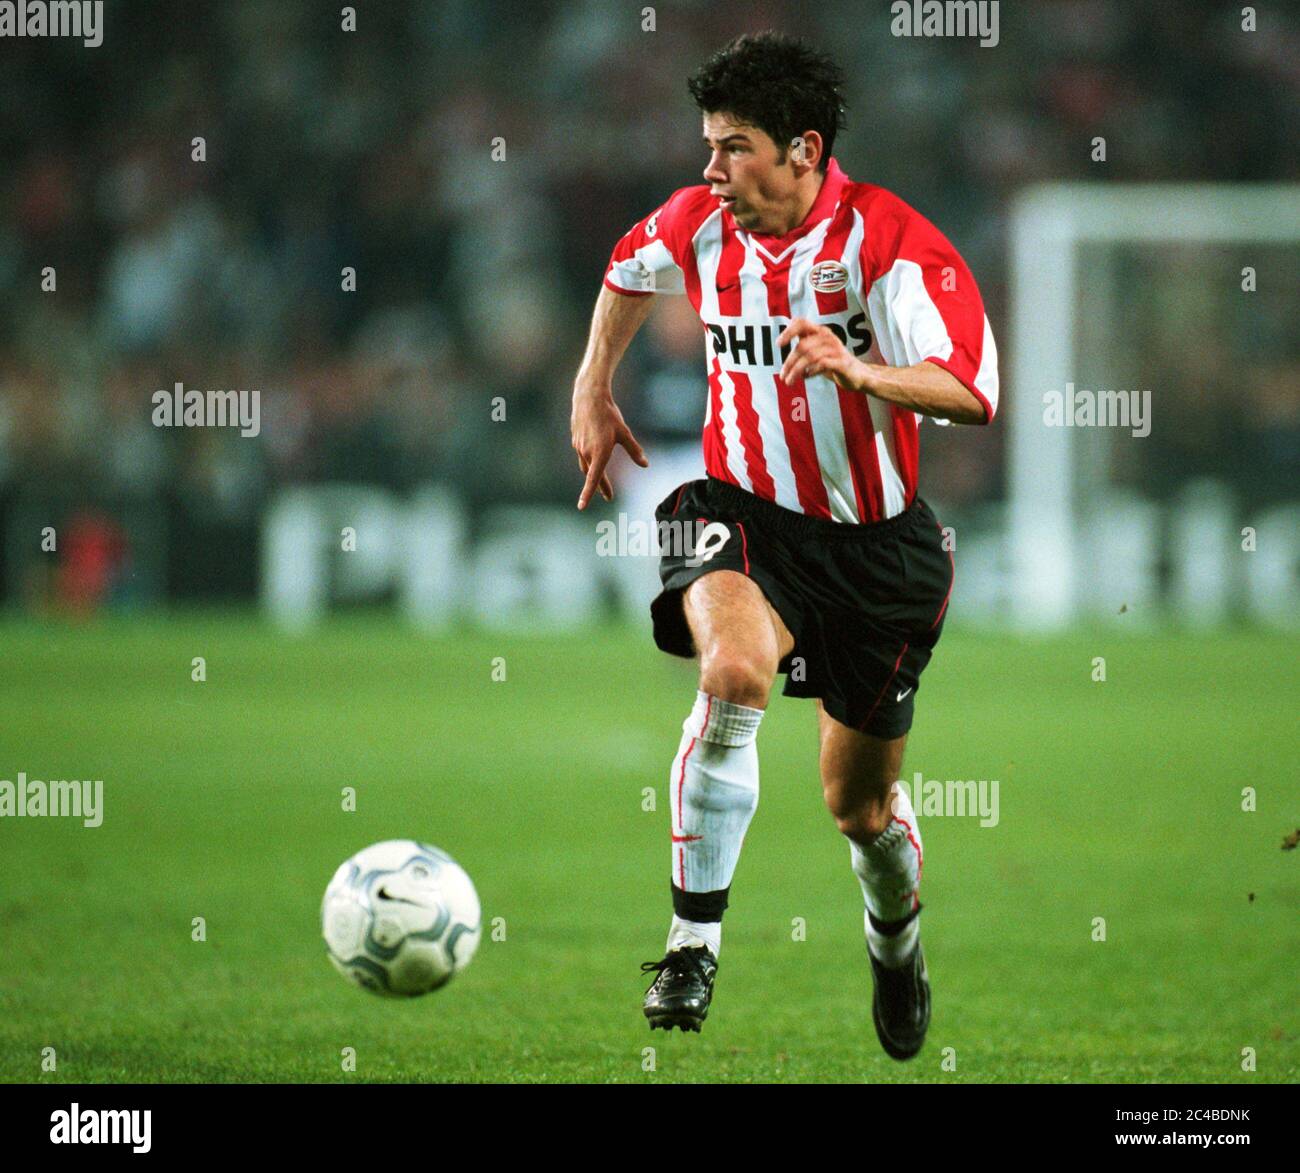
740, 638
858, 773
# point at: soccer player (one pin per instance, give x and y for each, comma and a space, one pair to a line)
835, 317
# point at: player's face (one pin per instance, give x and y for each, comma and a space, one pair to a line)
744, 173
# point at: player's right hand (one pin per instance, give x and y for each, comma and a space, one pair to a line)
598, 426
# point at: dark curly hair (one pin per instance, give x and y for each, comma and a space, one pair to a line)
777, 84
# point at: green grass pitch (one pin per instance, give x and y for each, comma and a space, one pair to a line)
1120, 800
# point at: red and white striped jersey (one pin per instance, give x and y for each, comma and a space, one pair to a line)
875, 271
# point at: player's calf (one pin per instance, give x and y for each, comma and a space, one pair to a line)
876, 817
713, 792
888, 868
874, 814
713, 785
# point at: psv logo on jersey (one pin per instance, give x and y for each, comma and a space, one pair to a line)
828, 277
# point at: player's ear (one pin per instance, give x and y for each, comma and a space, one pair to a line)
806, 151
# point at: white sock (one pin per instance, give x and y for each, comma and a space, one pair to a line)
713, 792
889, 872
685, 934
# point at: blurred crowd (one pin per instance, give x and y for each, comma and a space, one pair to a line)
474, 162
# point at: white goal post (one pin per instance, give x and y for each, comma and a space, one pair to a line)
1048, 224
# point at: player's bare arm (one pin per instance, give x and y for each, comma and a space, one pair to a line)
925, 387
597, 425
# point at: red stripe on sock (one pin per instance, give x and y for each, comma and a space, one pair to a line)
920, 859
681, 782
681, 779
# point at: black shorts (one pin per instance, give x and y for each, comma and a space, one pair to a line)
865, 603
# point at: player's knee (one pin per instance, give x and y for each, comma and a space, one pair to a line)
738, 677
858, 818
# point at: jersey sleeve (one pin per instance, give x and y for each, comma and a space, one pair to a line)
923, 302
648, 259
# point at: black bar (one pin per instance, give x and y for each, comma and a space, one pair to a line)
382, 1121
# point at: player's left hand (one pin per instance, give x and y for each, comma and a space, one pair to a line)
817, 351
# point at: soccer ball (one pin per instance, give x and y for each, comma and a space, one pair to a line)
400, 918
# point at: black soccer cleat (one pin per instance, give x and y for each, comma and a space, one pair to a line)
680, 994
900, 1005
